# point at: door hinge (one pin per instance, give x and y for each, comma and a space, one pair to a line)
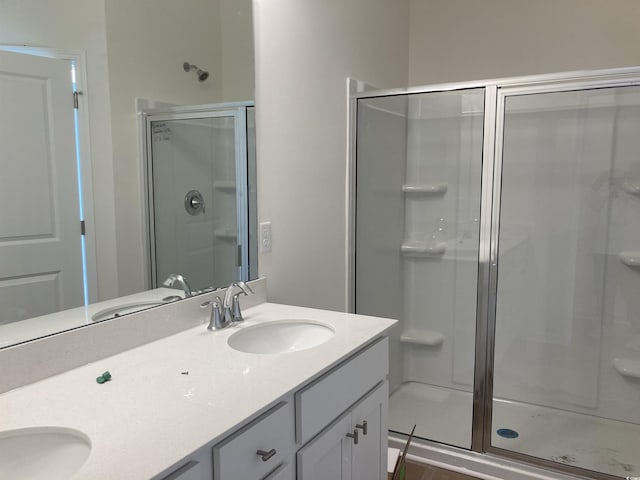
76, 102
239, 257
83, 230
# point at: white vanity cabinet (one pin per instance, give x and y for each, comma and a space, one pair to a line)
351, 448
197, 467
333, 428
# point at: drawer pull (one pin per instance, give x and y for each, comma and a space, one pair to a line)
266, 455
354, 435
363, 426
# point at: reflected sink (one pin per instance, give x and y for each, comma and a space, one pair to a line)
280, 336
42, 453
123, 310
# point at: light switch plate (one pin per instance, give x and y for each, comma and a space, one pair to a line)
265, 237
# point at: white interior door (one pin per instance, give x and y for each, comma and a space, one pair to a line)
40, 241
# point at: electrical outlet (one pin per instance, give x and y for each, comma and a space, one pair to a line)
265, 237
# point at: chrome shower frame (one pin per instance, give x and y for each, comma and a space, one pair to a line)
482, 454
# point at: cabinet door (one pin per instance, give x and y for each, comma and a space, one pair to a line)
369, 456
328, 456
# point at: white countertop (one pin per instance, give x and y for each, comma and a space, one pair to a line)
150, 415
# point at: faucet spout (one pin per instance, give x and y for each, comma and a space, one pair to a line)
231, 290
231, 305
178, 279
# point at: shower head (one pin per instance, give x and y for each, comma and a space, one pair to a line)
202, 74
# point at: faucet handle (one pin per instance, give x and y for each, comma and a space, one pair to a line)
216, 321
236, 314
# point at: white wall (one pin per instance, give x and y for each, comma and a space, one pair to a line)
78, 25
456, 40
305, 50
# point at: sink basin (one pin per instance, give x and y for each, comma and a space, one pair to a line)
123, 310
42, 453
280, 336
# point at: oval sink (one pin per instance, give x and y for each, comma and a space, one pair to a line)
119, 310
280, 336
42, 453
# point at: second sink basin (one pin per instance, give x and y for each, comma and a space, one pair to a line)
123, 310
280, 336
51, 453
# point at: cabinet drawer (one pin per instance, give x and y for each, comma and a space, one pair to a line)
322, 401
237, 457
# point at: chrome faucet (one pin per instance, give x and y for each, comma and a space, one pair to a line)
227, 311
177, 279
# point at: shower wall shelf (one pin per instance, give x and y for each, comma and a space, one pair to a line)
428, 338
630, 259
627, 367
228, 186
225, 233
423, 249
425, 189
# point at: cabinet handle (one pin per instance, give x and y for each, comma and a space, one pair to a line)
363, 426
266, 455
354, 435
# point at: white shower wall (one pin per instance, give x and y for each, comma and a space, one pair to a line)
566, 307
195, 155
444, 148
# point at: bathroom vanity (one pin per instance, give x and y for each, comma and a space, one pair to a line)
190, 406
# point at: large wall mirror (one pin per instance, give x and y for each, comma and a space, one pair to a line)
182, 70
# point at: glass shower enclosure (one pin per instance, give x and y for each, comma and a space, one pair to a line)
499, 222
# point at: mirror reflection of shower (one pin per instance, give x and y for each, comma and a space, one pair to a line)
202, 74
201, 188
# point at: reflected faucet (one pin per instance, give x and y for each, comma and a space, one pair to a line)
178, 279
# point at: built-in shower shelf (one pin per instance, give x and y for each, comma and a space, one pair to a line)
228, 186
423, 249
632, 188
428, 338
425, 189
225, 233
630, 259
627, 367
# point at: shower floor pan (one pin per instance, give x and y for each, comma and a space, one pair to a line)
594, 443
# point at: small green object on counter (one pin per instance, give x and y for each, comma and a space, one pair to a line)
105, 377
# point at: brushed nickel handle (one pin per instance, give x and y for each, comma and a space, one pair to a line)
354, 435
363, 426
266, 455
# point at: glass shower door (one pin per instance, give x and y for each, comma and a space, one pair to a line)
199, 197
419, 161
567, 331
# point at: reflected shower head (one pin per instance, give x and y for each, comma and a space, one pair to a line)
202, 74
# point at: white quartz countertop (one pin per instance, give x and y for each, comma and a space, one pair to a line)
152, 414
